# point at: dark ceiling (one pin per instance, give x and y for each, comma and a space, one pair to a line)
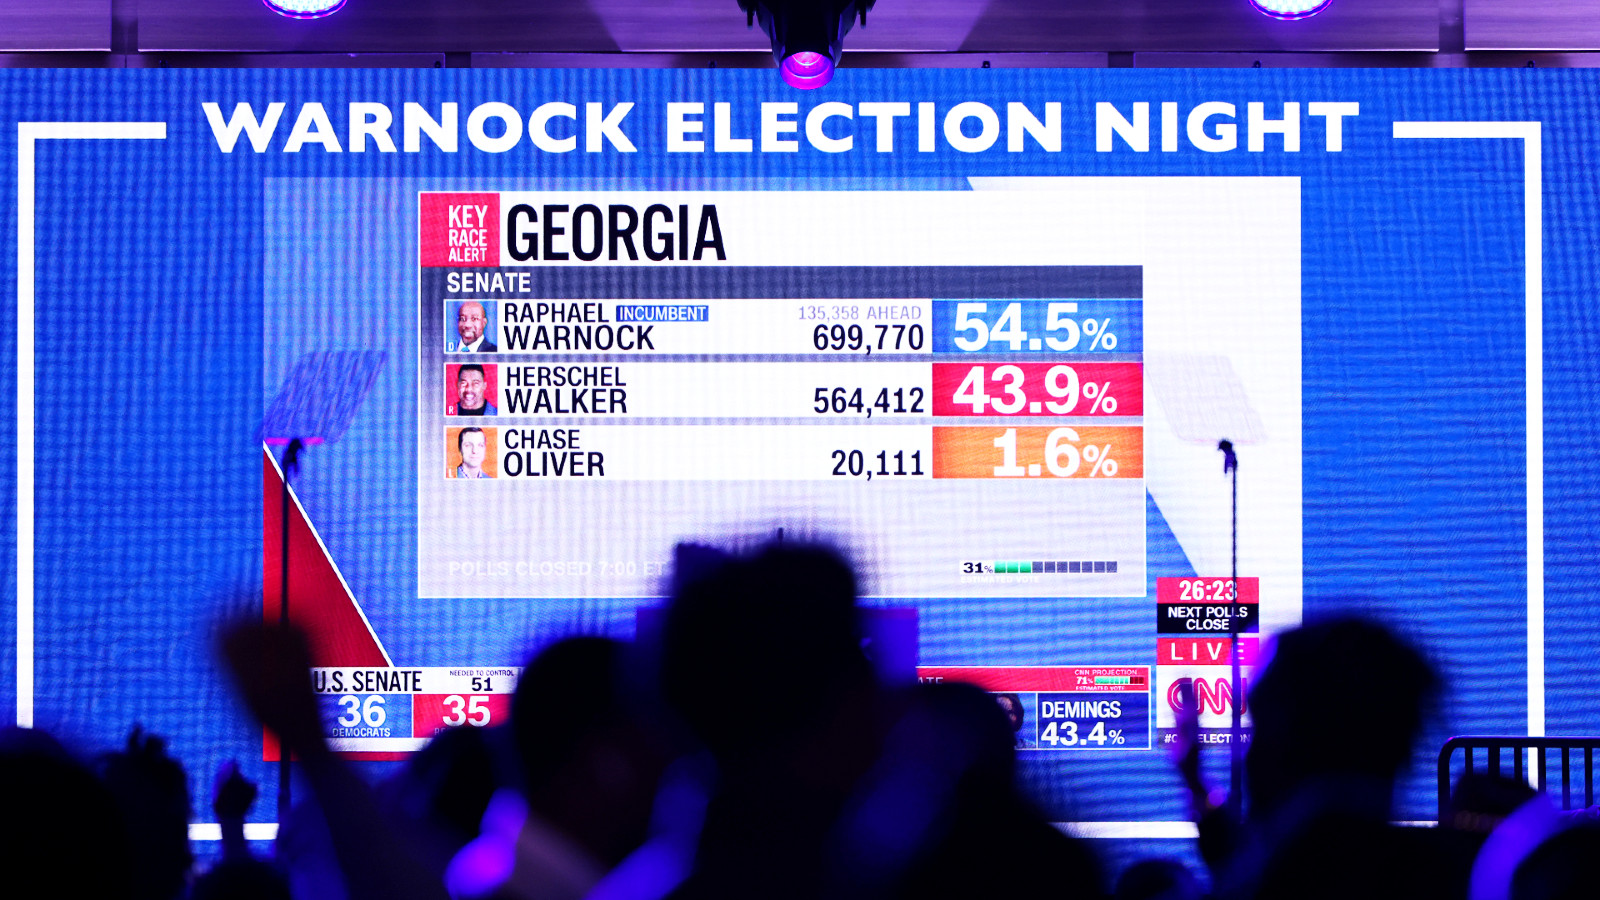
485, 33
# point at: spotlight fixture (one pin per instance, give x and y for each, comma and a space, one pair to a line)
304, 9
807, 35
1290, 9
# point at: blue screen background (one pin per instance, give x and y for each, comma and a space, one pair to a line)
159, 264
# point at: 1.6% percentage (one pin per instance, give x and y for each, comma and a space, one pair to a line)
1062, 456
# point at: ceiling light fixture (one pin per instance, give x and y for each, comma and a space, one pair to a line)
304, 9
1290, 9
807, 35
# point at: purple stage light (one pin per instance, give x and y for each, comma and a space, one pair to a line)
806, 70
304, 9
1290, 9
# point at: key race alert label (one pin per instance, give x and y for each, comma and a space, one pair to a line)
1065, 707
460, 229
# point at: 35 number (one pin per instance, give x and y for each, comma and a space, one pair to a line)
462, 711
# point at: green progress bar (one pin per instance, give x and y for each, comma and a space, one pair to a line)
1053, 567
1112, 679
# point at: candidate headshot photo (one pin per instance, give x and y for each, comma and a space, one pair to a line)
470, 453
1017, 715
469, 326
469, 390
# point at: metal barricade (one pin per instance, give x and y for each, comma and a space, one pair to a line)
1573, 752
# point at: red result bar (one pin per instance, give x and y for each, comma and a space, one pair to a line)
1038, 389
433, 713
1093, 679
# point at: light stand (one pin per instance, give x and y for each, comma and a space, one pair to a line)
1230, 466
291, 462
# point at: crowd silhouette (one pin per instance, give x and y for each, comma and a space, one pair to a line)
751, 750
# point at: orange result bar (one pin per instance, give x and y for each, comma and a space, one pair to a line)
988, 451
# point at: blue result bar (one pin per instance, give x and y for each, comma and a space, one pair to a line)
1045, 327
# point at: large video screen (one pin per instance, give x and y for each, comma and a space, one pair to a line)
984, 330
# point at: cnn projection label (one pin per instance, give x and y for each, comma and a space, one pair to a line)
1064, 707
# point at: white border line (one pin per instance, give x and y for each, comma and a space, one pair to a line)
1533, 363
378, 745
422, 449
27, 134
1533, 316
253, 831
1113, 830
267, 831
1162, 830
329, 556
